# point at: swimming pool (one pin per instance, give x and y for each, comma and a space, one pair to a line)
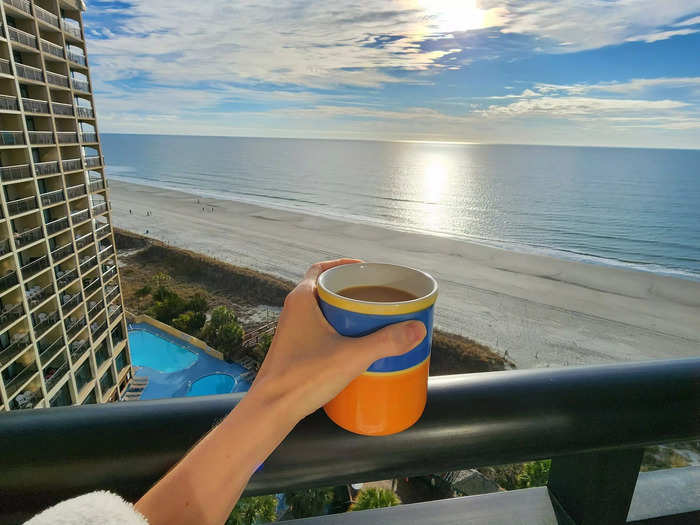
176, 368
153, 351
212, 384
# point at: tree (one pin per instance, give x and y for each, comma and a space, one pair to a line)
534, 474
308, 502
375, 498
230, 339
170, 306
252, 510
198, 303
189, 322
260, 349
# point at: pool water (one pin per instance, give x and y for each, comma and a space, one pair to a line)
212, 384
147, 349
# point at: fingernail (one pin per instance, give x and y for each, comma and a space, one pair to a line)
415, 332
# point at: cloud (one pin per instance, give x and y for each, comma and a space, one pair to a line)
690, 22
632, 85
661, 35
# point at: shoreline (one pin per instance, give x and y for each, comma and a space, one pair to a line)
541, 310
510, 246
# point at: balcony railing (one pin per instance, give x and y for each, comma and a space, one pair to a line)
77, 349
11, 138
62, 109
22, 205
88, 137
76, 191
18, 345
93, 286
71, 302
71, 28
48, 350
29, 236
111, 292
57, 226
114, 313
22, 37
105, 251
74, 327
57, 375
72, 165
52, 49
22, 5
35, 266
92, 162
8, 280
592, 421
37, 295
41, 137
52, 197
82, 241
96, 308
18, 172
46, 168
12, 386
97, 329
63, 251
102, 231
9, 103
66, 278
87, 264
10, 313
46, 16
97, 185
99, 208
77, 58
80, 216
84, 112
5, 66
35, 106
67, 137
29, 72
4, 247
107, 275
80, 85
57, 79
43, 320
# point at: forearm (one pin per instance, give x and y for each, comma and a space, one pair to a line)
204, 487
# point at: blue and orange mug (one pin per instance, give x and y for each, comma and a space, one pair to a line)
390, 395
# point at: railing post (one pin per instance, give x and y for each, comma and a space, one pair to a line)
594, 488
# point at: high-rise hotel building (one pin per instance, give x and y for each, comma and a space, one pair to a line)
62, 324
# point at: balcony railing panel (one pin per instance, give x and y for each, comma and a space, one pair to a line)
22, 205
14, 384
52, 197
8, 173
35, 266
99, 208
48, 350
63, 251
56, 376
106, 276
74, 327
35, 106
57, 79
69, 302
36, 294
92, 162
47, 168
80, 85
77, 58
76, 191
4, 247
84, 112
22, 37
102, 231
72, 165
5, 66
83, 241
57, 226
29, 72
11, 138
8, 280
52, 49
41, 137
43, 322
71, 28
19, 344
22, 5
29, 236
97, 185
10, 313
46, 16
88, 137
9, 103
80, 216
67, 137
66, 278
62, 109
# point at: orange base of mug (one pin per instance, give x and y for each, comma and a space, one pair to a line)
381, 404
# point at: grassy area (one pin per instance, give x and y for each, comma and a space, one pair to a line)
243, 289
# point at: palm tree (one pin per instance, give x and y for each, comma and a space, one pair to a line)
257, 509
375, 498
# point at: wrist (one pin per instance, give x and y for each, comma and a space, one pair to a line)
264, 400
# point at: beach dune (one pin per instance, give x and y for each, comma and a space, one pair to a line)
542, 311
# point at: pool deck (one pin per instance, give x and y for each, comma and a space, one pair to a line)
176, 384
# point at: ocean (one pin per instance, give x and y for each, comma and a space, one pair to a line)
634, 208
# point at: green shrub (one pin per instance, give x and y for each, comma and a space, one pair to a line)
189, 322
143, 291
308, 502
375, 498
223, 332
260, 350
535, 474
198, 303
256, 509
169, 307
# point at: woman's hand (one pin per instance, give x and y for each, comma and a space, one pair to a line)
309, 363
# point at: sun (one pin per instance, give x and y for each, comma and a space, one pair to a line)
446, 16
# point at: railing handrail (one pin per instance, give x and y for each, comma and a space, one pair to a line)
62, 104
470, 420
8, 97
49, 14
21, 32
18, 64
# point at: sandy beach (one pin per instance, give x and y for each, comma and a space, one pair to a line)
540, 310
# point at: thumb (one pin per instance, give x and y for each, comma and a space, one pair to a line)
395, 339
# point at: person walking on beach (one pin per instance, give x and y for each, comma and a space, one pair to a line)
129, 211
307, 365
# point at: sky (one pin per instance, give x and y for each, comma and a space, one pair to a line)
582, 72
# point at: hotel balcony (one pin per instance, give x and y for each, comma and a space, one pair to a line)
110, 292
19, 344
11, 138
71, 27
114, 311
68, 302
29, 236
11, 173
54, 372
46, 16
84, 112
52, 197
43, 320
21, 205
22, 37
80, 216
78, 349
29, 72
93, 161
62, 109
102, 231
42, 138
593, 422
32, 268
47, 168
57, 226
57, 79
8, 280
35, 106
8, 103
52, 49
10, 313
77, 58
61, 252
4, 247
95, 307
80, 85
73, 326
49, 347
15, 382
5, 67
88, 137
37, 295
84, 240
67, 137
76, 191
97, 209
63, 279
97, 185
109, 274
72, 165
22, 5
92, 285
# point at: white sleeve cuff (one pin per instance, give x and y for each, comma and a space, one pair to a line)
95, 508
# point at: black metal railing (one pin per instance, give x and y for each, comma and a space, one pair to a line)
592, 421
92, 162
62, 251
97, 329
56, 226
8, 280
22, 5
52, 197
46, 16
80, 216
22, 205
4, 247
80, 85
29, 236
10, 313
62, 109
111, 292
99, 208
71, 303
47, 351
52, 49
32, 105
88, 137
9, 103
37, 295
97, 185
35, 266
114, 313
67, 137
78, 349
41, 137
88, 263
11, 138
108, 274
18, 345
77, 58
82, 242
5, 66
22, 37
46, 168
95, 308
84, 112
29, 72
92, 286
72, 165
102, 231
41, 323
72, 28
57, 79
76, 191
73, 328
9, 173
